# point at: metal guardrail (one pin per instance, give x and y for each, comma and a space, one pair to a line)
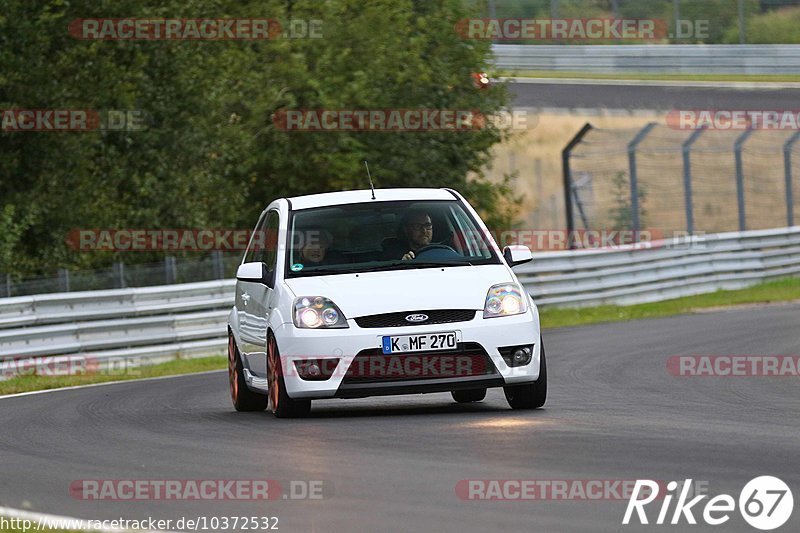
675, 58
167, 322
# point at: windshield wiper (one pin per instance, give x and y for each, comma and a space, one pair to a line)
403, 265
324, 271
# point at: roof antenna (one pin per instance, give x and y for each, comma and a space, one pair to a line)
371, 186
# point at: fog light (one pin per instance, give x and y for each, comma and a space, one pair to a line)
521, 355
517, 355
316, 369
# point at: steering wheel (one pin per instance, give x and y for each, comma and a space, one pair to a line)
432, 247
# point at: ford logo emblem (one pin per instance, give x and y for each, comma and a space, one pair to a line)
417, 318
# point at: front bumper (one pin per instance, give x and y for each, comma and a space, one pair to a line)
344, 344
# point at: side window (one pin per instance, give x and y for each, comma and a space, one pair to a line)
269, 253
256, 245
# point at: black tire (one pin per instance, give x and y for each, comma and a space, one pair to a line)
530, 395
281, 405
467, 396
242, 397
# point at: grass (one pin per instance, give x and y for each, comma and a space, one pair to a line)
754, 78
29, 383
774, 291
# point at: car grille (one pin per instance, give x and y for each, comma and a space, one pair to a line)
393, 320
372, 366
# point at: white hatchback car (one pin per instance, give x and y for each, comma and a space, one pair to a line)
393, 291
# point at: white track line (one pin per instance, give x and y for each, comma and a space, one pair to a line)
73, 387
747, 85
39, 520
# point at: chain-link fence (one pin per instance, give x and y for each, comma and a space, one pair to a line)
217, 265
669, 180
688, 21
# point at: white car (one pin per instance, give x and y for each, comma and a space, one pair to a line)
392, 291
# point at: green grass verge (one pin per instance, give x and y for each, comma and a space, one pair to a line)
754, 78
171, 368
774, 291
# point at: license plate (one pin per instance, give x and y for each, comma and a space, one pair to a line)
426, 342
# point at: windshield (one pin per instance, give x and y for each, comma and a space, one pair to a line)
384, 236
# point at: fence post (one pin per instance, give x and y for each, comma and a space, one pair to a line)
787, 171
219, 267
119, 275
737, 150
687, 178
63, 280
170, 270
632, 146
565, 155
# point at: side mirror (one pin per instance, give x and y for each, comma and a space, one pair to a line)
254, 273
517, 254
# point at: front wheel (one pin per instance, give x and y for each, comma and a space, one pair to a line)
530, 395
281, 405
242, 397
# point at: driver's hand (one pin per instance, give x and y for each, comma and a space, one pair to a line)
408, 257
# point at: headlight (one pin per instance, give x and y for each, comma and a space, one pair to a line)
505, 299
313, 312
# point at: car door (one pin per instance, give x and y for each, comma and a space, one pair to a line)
255, 297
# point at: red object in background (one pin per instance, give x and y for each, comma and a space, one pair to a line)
481, 80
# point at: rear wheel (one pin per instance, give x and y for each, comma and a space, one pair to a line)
243, 398
530, 395
281, 405
467, 396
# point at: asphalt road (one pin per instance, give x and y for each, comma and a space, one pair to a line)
650, 97
392, 464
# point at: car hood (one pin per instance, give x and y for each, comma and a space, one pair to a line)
372, 293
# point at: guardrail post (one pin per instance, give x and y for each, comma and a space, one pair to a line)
632, 146
119, 275
737, 149
687, 178
787, 171
63, 280
565, 166
170, 270
219, 267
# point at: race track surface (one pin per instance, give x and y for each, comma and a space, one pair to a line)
650, 97
392, 463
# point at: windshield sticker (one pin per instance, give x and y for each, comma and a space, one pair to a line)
297, 267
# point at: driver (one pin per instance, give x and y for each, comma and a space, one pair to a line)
418, 231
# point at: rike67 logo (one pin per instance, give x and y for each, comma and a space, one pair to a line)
766, 503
